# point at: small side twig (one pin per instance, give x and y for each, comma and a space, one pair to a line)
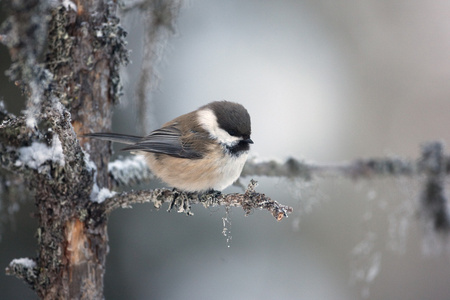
23, 268
182, 201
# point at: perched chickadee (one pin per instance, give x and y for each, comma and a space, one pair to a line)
202, 150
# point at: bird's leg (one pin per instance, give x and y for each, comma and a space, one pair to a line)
181, 201
175, 194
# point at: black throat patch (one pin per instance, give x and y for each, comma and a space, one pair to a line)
238, 149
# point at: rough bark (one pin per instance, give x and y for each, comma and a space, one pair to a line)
85, 49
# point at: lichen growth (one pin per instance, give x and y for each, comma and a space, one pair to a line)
59, 49
111, 34
98, 40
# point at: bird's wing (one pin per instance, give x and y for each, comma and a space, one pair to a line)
166, 140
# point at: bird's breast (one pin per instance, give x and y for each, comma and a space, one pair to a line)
216, 170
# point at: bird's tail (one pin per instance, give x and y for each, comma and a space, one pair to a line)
114, 137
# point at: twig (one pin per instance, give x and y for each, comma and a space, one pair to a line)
182, 201
23, 268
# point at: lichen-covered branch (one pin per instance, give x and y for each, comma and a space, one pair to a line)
47, 151
181, 201
356, 169
24, 268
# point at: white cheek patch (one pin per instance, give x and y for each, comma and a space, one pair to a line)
208, 121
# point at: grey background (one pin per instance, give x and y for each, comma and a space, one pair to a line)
326, 81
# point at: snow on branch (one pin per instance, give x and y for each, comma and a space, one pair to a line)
130, 170
47, 149
24, 268
182, 201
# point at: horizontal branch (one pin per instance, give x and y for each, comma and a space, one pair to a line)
356, 169
182, 201
126, 171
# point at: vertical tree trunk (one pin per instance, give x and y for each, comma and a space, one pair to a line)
85, 48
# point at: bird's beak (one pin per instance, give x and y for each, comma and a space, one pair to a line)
248, 140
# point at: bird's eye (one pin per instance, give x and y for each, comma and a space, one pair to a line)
232, 132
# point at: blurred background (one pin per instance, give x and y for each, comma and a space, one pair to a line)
323, 81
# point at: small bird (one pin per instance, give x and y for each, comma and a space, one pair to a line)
203, 150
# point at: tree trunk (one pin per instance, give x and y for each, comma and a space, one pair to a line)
85, 48
84, 54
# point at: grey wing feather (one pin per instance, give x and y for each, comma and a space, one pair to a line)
166, 141
115, 137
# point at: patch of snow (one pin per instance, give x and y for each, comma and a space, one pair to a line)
38, 153
99, 195
104, 194
66, 3
58, 106
31, 121
69, 5
134, 166
135, 162
89, 163
25, 262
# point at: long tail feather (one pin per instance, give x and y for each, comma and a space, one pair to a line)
115, 137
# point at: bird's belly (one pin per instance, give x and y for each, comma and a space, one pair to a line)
197, 174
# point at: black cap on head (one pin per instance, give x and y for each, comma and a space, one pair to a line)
232, 117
